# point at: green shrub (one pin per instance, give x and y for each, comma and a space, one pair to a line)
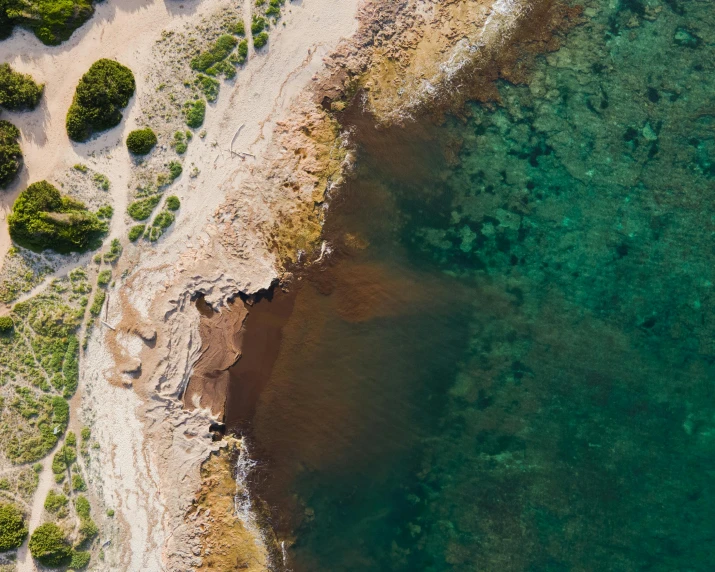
86, 433
87, 529
42, 218
6, 324
194, 112
243, 50
163, 220
80, 559
63, 459
238, 28
142, 209
110, 512
78, 483
208, 86
12, 527
154, 233
71, 439
81, 505
136, 231
274, 8
49, 546
18, 91
97, 303
258, 24
52, 21
55, 501
173, 203
175, 170
180, 143
141, 141
81, 167
260, 40
10, 153
104, 277
223, 68
101, 95
220, 50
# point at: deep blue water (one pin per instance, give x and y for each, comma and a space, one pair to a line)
509, 363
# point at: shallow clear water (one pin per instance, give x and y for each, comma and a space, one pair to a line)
509, 364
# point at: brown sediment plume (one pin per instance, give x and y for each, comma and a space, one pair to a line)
226, 543
221, 341
409, 59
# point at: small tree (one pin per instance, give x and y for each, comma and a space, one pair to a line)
141, 141
12, 527
6, 324
49, 546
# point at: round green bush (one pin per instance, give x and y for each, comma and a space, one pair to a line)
173, 203
12, 527
18, 91
10, 153
101, 95
6, 324
260, 40
49, 546
141, 141
42, 218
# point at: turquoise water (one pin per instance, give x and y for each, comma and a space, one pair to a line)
510, 362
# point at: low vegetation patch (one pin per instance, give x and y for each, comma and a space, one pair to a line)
42, 219
141, 141
142, 209
104, 278
55, 502
101, 181
180, 142
238, 28
136, 231
12, 527
208, 86
80, 559
258, 24
218, 51
103, 92
163, 220
18, 91
114, 252
260, 40
6, 324
173, 203
96, 308
194, 111
10, 153
49, 546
